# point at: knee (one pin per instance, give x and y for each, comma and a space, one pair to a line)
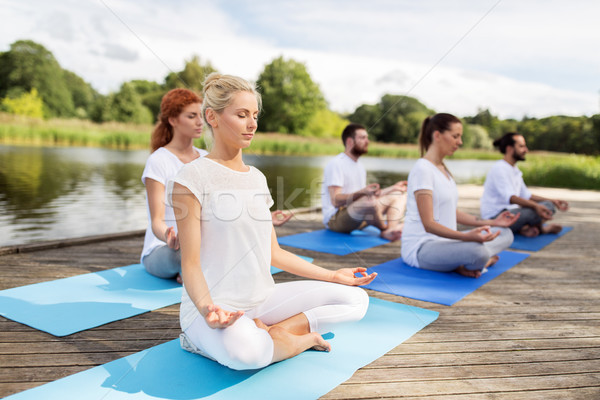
506, 237
361, 303
479, 258
251, 350
355, 299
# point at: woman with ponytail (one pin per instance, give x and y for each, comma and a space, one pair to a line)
430, 239
180, 122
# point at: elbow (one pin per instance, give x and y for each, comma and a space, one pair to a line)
428, 228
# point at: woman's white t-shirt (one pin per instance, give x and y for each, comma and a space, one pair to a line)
425, 175
161, 166
236, 227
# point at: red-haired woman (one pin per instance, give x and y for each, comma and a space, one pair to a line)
180, 122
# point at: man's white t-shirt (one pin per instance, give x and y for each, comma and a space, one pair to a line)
236, 226
344, 172
501, 183
425, 175
161, 166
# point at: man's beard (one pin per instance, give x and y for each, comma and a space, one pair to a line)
357, 152
519, 157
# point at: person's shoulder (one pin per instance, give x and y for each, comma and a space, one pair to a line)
158, 154
338, 158
256, 172
202, 152
422, 163
197, 164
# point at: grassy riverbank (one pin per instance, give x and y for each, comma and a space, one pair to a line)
541, 169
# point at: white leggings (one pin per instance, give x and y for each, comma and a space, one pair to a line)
245, 346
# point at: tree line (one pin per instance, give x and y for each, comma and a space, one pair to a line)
34, 84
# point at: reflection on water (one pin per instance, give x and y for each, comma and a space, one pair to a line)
55, 193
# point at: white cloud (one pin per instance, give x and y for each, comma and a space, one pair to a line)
533, 58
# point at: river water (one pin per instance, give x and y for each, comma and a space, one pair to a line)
49, 193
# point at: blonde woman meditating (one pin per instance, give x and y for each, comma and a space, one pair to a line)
231, 309
172, 144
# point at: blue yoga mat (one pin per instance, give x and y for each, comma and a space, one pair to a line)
65, 306
277, 270
397, 277
168, 372
326, 241
537, 243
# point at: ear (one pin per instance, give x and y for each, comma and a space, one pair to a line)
349, 142
172, 121
211, 117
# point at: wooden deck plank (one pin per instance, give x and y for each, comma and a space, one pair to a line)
533, 332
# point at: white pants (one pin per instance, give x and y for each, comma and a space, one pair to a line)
245, 346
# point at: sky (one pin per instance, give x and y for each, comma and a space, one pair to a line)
517, 58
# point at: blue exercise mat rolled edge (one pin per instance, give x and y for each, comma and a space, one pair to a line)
539, 242
341, 244
398, 278
307, 376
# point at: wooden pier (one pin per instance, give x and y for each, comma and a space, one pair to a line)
531, 333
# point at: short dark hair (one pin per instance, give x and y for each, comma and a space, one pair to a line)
507, 140
350, 131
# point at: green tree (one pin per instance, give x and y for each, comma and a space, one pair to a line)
290, 97
28, 104
394, 119
82, 94
191, 77
126, 106
29, 65
476, 137
151, 94
324, 123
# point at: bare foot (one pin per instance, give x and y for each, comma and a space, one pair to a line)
467, 272
179, 279
552, 228
392, 236
322, 344
288, 345
530, 231
493, 260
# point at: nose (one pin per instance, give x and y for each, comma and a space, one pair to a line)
199, 121
252, 124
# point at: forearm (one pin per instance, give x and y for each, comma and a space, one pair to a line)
293, 264
471, 220
344, 199
442, 231
523, 202
537, 198
159, 228
196, 286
